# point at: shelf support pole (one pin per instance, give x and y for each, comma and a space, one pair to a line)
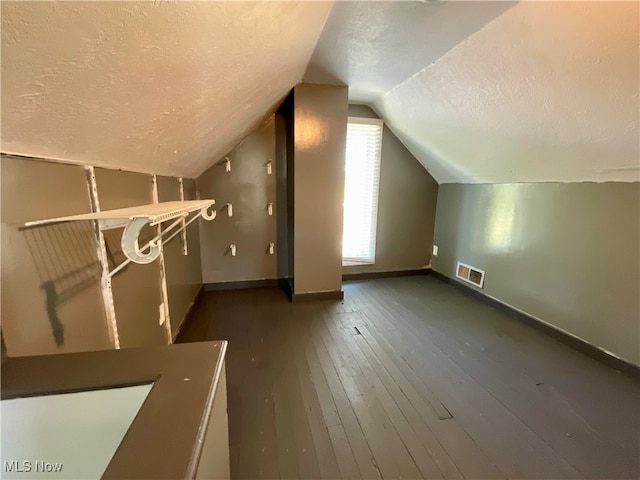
107, 292
183, 237
165, 316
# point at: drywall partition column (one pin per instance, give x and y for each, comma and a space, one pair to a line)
320, 126
51, 296
136, 290
565, 253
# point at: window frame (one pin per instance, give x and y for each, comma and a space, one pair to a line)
354, 261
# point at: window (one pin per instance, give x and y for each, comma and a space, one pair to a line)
362, 175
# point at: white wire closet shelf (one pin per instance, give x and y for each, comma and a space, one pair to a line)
154, 212
134, 219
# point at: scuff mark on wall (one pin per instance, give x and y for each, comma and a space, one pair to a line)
161, 315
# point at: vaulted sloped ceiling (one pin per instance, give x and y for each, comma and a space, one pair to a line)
374, 46
478, 91
496, 92
148, 86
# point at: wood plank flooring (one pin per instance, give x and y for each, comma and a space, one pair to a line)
411, 378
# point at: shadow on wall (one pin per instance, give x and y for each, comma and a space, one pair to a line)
63, 276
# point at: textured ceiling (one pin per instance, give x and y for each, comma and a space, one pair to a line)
147, 86
478, 91
537, 92
374, 46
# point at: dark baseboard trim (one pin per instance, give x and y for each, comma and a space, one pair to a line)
267, 282
189, 314
622, 366
395, 273
313, 296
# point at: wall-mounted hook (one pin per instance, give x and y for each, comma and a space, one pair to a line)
270, 208
232, 247
272, 247
204, 212
269, 168
229, 209
227, 164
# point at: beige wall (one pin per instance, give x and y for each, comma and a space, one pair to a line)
249, 189
564, 253
51, 298
406, 207
184, 276
50, 275
320, 125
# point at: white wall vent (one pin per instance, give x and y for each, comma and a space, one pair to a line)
470, 274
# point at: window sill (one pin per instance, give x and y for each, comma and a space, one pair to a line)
354, 263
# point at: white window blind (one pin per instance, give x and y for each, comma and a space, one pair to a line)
362, 176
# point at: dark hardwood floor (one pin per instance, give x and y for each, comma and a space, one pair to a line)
411, 378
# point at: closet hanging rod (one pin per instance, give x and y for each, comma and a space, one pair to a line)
134, 219
153, 242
